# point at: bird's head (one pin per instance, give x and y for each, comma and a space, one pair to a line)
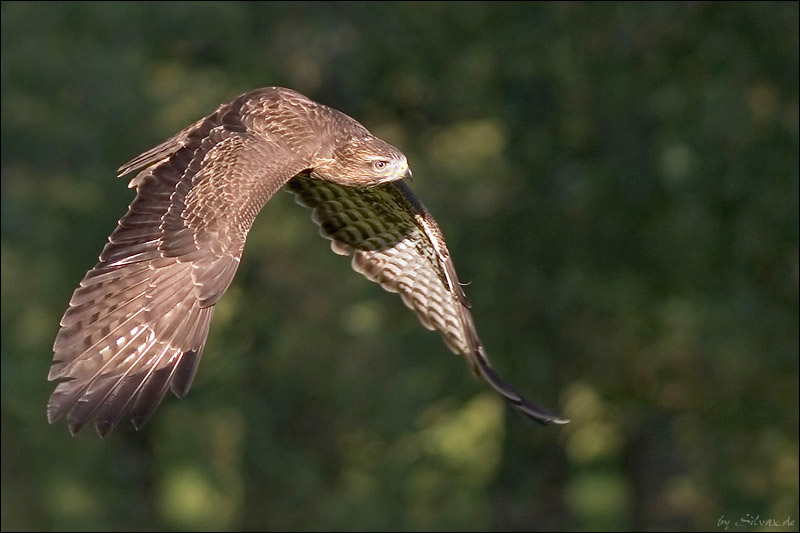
363, 161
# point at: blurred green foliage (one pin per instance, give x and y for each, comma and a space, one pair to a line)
619, 182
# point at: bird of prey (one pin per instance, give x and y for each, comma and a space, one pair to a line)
136, 325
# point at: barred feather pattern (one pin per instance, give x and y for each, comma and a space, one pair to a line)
137, 324
395, 242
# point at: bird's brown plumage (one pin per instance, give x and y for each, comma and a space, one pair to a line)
136, 326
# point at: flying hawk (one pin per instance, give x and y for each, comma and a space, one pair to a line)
137, 324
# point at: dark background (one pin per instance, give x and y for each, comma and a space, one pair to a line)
618, 182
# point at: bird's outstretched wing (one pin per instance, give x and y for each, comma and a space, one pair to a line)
395, 242
137, 324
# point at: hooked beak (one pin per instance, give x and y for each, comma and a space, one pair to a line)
407, 175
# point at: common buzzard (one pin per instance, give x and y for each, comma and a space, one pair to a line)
137, 324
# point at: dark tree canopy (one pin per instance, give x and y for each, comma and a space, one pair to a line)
618, 185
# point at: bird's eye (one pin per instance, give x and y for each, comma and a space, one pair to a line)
380, 165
